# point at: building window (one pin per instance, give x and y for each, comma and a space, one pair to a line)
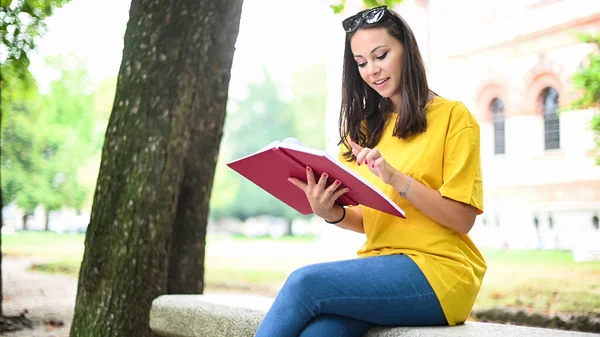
551, 121
550, 221
497, 107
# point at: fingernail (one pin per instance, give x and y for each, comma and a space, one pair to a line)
307, 169
373, 166
366, 162
359, 164
325, 175
347, 190
337, 182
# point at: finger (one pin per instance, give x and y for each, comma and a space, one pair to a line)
299, 183
334, 186
355, 147
360, 158
310, 177
323, 180
339, 193
372, 156
379, 166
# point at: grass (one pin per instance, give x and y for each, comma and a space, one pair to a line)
540, 281
68, 267
545, 282
44, 244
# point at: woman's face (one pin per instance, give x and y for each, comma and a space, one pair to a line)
378, 56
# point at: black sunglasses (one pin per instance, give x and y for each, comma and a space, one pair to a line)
368, 16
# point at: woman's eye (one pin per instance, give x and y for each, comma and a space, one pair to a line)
360, 65
382, 56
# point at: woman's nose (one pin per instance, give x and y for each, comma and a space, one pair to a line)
374, 70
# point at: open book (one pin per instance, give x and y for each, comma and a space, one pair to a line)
270, 167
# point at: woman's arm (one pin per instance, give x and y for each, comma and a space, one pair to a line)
448, 212
353, 220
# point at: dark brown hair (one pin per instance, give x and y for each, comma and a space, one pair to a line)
361, 103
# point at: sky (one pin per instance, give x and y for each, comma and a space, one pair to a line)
282, 35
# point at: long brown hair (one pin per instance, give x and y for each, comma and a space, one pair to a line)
362, 104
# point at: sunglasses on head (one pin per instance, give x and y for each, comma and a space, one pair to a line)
368, 16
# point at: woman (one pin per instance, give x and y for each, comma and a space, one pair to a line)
423, 152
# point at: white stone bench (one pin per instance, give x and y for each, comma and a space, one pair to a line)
239, 316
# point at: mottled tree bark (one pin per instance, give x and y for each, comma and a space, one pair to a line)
147, 229
186, 264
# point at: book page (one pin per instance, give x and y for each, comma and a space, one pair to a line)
269, 146
295, 141
295, 144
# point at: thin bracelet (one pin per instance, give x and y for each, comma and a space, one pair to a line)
340, 220
403, 192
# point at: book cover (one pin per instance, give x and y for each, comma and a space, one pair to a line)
270, 167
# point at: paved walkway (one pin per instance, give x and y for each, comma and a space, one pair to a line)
45, 296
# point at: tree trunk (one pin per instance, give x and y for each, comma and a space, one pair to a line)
186, 263
47, 220
170, 103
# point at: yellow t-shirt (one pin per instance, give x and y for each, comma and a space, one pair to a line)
445, 158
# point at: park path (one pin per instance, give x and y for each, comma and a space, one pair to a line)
45, 296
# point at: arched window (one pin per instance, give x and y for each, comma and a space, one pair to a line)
497, 107
551, 121
550, 221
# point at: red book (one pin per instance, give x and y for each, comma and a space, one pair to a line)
270, 167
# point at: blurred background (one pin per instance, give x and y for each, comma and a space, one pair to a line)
514, 64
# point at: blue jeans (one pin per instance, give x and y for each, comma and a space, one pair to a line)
346, 298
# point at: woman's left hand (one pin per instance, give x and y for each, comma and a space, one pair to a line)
375, 162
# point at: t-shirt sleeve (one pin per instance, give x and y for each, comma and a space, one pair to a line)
462, 180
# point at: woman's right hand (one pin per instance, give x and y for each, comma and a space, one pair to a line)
320, 196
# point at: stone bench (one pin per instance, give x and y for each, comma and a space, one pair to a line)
239, 316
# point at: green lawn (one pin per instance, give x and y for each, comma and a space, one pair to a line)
538, 281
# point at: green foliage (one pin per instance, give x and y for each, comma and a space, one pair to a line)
587, 79
307, 108
49, 138
20, 106
252, 123
339, 7
257, 120
21, 22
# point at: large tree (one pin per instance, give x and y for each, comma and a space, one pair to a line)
147, 230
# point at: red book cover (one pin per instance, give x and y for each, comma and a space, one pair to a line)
270, 167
